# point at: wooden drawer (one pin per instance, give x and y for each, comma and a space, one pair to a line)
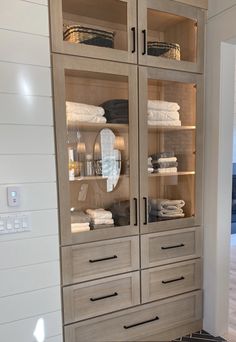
171, 280
101, 296
99, 259
169, 247
137, 323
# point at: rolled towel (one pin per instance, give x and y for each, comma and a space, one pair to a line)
83, 108
167, 160
163, 105
167, 154
78, 228
85, 118
164, 123
150, 169
99, 213
167, 170
165, 204
167, 212
161, 115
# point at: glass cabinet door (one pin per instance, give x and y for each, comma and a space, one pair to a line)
170, 149
171, 35
102, 29
97, 137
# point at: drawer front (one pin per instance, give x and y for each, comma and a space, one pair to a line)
133, 324
171, 280
99, 259
100, 297
169, 247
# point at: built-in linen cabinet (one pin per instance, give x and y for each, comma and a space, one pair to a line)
105, 29
174, 135
128, 101
109, 149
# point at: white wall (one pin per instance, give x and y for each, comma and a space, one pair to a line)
234, 133
220, 83
29, 262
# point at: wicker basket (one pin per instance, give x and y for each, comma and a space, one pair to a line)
162, 49
89, 36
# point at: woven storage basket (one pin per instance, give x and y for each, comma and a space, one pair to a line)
162, 49
89, 36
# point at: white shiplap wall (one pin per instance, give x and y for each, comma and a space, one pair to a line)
29, 262
234, 136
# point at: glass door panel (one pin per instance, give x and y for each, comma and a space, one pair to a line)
102, 29
98, 115
171, 119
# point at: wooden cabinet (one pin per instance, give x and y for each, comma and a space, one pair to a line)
128, 100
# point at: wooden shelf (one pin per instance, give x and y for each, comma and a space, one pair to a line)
181, 173
94, 127
170, 128
92, 178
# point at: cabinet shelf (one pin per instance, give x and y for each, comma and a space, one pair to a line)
170, 128
93, 127
181, 173
92, 178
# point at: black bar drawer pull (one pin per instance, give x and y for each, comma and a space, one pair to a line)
176, 246
141, 323
136, 211
134, 40
144, 41
145, 211
104, 297
104, 259
172, 281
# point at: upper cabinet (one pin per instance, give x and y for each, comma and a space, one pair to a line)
171, 35
105, 29
157, 33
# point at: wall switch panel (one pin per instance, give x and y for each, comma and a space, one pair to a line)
15, 223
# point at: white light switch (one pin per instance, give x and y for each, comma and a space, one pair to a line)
14, 223
13, 196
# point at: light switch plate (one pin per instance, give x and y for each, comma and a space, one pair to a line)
15, 223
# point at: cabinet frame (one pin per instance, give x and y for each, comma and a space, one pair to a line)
61, 46
60, 64
160, 74
179, 9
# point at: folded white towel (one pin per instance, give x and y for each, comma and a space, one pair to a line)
150, 169
167, 170
170, 215
99, 213
107, 221
168, 160
162, 115
165, 204
164, 123
163, 105
83, 108
71, 117
77, 228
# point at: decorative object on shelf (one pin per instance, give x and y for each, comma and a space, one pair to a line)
81, 112
71, 164
163, 113
166, 209
89, 36
163, 49
81, 150
89, 165
107, 159
116, 111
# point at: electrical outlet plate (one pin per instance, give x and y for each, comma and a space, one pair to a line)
15, 223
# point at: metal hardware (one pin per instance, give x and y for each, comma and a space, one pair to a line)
176, 246
136, 211
172, 281
145, 211
104, 297
104, 259
134, 39
137, 324
144, 41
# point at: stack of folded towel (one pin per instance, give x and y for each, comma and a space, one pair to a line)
150, 166
163, 113
121, 213
100, 218
80, 222
166, 209
116, 111
84, 113
164, 162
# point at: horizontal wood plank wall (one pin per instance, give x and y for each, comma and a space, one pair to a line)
29, 262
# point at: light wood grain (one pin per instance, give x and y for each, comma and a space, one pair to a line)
173, 312
171, 280
77, 299
154, 252
196, 3
76, 266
